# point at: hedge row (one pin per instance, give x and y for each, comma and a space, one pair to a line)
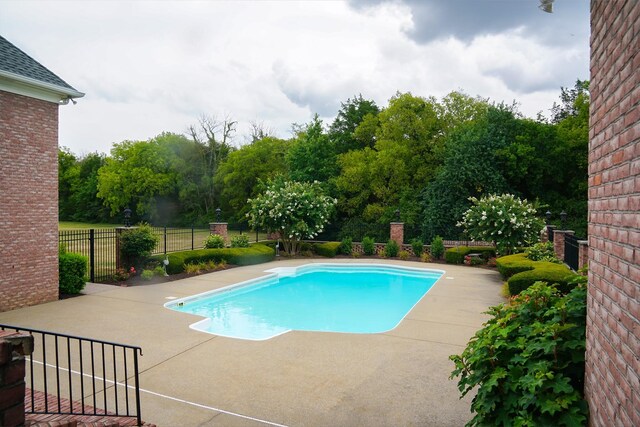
456, 255
520, 273
328, 249
255, 254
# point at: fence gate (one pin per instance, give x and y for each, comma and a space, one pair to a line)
98, 245
571, 251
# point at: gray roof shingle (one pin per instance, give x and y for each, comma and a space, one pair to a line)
16, 61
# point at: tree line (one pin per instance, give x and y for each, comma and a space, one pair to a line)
421, 156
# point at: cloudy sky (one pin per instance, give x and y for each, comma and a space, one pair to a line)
153, 66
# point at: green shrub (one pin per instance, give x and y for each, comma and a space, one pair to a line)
72, 272
255, 254
306, 247
214, 241
147, 274
542, 252
240, 241
137, 243
426, 257
521, 273
328, 249
418, 247
346, 246
391, 249
437, 247
526, 365
456, 255
158, 271
558, 275
512, 264
368, 246
403, 255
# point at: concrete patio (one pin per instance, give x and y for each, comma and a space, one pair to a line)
189, 378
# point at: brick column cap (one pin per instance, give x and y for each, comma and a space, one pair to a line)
564, 232
22, 343
397, 223
218, 223
583, 242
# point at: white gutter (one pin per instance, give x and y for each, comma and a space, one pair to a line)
27, 86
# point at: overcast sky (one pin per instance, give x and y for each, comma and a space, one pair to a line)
153, 66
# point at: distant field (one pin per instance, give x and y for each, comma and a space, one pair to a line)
68, 225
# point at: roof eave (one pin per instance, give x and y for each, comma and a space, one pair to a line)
21, 85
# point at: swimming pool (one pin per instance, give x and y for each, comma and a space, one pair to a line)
351, 298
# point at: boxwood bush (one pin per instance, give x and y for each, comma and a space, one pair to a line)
368, 246
521, 273
254, 254
72, 272
456, 255
328, 249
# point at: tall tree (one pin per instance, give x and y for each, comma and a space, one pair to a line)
312, 156
214, 141
350, 116
238, 175
138, 174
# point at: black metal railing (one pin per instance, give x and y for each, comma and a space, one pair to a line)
571, 251
87, 372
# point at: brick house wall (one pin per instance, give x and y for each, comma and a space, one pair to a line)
28, 201
612, 382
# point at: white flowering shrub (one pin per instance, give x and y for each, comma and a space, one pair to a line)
296, 210
505, 220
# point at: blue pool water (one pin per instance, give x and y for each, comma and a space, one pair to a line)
354, 298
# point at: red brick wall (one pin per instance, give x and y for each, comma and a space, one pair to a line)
613, 328
28, 201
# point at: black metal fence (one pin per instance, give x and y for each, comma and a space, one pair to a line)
571, 251
91, 373
100, 245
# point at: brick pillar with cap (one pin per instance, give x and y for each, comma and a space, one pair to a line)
221, 229
397, 232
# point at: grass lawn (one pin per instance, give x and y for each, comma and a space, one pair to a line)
69, 225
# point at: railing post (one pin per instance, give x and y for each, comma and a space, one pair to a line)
92, 256
192, 237
137, 380
165, 239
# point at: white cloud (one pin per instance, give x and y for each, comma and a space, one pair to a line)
149, 67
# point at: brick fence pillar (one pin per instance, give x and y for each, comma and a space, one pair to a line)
558, 242
583, 253
221, 229
13, 348
273, 235
397, 232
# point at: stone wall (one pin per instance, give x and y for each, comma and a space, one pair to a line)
613, 321
28, 201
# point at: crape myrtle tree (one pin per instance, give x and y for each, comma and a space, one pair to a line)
295, 210
505, 220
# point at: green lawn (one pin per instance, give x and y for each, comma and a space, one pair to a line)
68, 225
